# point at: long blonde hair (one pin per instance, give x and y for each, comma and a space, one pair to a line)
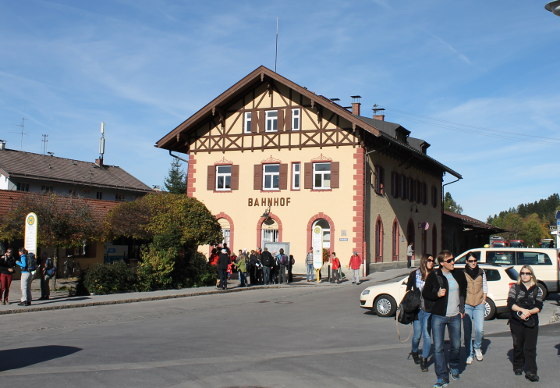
533, 278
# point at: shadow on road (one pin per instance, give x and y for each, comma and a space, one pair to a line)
22, 357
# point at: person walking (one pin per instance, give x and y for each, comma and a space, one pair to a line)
409, 254
354, 264
422, 324
525, 302
7, 268
335, 262
26, 277
475, 305
309, 264
223, 262
444, 297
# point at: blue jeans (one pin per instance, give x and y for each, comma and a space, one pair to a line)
438, 332
266, 274
310, 271
422, 328
242, 279
474, 316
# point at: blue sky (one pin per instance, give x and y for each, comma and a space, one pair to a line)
478, 80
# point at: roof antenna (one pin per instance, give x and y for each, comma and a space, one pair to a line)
22, 125
99, 161
276, 54
45, 140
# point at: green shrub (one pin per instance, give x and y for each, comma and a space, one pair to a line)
109, 278
199, 272
156, 268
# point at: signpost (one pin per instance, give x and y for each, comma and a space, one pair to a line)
317, 240
30, 239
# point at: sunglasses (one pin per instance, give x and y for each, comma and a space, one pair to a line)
430, 260
449, 261
471, 261
525, 273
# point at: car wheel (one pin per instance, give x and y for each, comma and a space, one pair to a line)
385, 305
489, 309
543, 289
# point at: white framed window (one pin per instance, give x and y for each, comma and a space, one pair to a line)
296, 119
269, 235
271, 118
223, 178
226, 233
322, 176
296, 174
247, 122
271, 177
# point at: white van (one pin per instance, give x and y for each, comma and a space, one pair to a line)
544, 262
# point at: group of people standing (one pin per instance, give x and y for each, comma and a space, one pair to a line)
257, 267
455, 297
354, 266
29, 269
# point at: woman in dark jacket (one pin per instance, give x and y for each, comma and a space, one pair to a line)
525, 302
7, 267
421, 324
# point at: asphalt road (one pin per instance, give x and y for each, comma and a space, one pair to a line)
302, 336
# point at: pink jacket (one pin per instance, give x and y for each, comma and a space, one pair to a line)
355, 262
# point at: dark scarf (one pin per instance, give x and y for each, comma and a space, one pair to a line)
474, 272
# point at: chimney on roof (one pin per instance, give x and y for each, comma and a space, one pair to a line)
356, 105
376, 116
2, 145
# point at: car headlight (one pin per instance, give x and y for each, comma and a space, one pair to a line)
365, 292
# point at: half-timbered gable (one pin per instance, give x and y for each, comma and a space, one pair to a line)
278, 163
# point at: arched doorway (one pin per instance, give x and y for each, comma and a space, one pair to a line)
226, 231
325, 233
378, 240
269, 232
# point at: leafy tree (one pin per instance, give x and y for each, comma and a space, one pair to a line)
449, 204
176, 181
63, 222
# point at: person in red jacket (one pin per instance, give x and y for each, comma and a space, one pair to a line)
354, 264
335, 268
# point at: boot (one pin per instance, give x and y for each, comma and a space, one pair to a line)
415, 357
424, 364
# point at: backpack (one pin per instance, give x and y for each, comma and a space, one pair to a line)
284, 260
31, 262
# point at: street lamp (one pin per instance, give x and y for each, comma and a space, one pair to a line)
554, 7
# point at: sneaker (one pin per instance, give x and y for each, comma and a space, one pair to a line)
478, 354
532, 377
469, 360
518, 372
440, 383
455, 375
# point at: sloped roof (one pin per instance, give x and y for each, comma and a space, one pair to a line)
379, 128
28, 165
472, 222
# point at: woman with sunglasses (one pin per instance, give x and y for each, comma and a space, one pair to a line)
421, 324
475, 305
525, 300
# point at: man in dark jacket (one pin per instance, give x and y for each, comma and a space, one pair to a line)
444, 296
223, 262
268, 262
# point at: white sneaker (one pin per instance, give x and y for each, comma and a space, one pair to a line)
478, 354
469, 360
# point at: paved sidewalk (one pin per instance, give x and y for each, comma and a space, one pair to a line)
61, 299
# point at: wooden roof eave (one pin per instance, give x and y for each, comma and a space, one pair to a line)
173, 139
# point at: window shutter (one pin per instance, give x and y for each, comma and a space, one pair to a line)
283, 176
257, 182
262, 115
235, 177
335, 169
308, 176
281, 120
254, 121
288, 120
211, 182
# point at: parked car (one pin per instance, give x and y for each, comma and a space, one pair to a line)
517, 243
383, 299
544, 262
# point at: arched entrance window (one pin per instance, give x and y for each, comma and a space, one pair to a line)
395, 241
269, 231
434, 240
226, 231
378, 240
325, 232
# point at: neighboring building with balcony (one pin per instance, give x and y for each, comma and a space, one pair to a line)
276, 162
